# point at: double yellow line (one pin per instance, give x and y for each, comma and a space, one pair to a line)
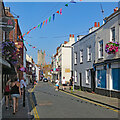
33, 105
92, 102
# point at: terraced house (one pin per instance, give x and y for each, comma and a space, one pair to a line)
96, 58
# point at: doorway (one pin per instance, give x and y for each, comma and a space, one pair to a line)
92, 80
80, 78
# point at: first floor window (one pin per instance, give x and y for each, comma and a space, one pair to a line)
81, 56
100, 48
75, 57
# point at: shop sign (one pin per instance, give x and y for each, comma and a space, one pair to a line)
7, 24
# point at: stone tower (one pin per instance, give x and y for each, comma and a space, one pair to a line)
41, 58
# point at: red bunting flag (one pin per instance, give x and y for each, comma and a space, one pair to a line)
28, 32
61, 11
23, 34
57, 12
46, 21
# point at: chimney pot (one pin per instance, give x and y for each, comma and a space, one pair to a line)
98, 24
115, 9
95, 24
70, 35
73, 35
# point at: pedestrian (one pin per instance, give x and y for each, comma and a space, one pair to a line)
64, 82
22, 85
15, 94
7, 93
70, 83
25, 84
57, 84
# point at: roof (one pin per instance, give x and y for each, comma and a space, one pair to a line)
107, 18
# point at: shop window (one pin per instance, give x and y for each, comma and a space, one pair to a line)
101, 78
116, 78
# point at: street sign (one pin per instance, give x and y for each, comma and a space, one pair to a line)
7, 24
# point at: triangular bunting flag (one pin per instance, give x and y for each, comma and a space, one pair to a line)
43, 23
39, 25
66, 5
53, 17
57, 12
49, 18
46, 21
61, 11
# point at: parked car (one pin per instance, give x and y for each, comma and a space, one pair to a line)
45, 80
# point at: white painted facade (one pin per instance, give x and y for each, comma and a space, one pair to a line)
65, 59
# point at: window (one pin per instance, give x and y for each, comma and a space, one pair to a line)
81, 56
100, 48
89, 54
87, 76
101, 78
75, 56
75, 76
113, 34
116, 78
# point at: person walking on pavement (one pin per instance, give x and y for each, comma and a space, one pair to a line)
7, 93
15, 94
57, 84
64, 82
70, 83
22, 84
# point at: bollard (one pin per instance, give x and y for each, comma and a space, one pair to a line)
24, 96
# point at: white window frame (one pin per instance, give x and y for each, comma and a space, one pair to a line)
112, 36
87, 76
100, 49
81, 56
89, 54
75, 76
75, 57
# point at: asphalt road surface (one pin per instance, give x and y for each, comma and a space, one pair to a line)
48, 103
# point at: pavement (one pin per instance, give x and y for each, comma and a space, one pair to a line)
23, 112
108, 101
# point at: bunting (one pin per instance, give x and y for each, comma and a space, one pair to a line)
53, 17
42, 23
49, 18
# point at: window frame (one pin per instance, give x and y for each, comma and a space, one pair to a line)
112, 36
75, 57
99, 49
81, 56
89, 54
87, 76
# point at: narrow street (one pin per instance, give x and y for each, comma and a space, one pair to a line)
57, 104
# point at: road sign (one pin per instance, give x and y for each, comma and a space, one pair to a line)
7, 24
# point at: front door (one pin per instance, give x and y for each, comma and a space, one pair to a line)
93, 80
80, 75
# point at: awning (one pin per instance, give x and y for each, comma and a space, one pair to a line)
4, 62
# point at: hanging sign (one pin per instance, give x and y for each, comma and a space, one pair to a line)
7, 24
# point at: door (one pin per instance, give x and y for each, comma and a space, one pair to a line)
80, 78
93, 80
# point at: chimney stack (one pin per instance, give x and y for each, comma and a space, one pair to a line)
71, 38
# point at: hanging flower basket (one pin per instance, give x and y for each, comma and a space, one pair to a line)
111, 47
